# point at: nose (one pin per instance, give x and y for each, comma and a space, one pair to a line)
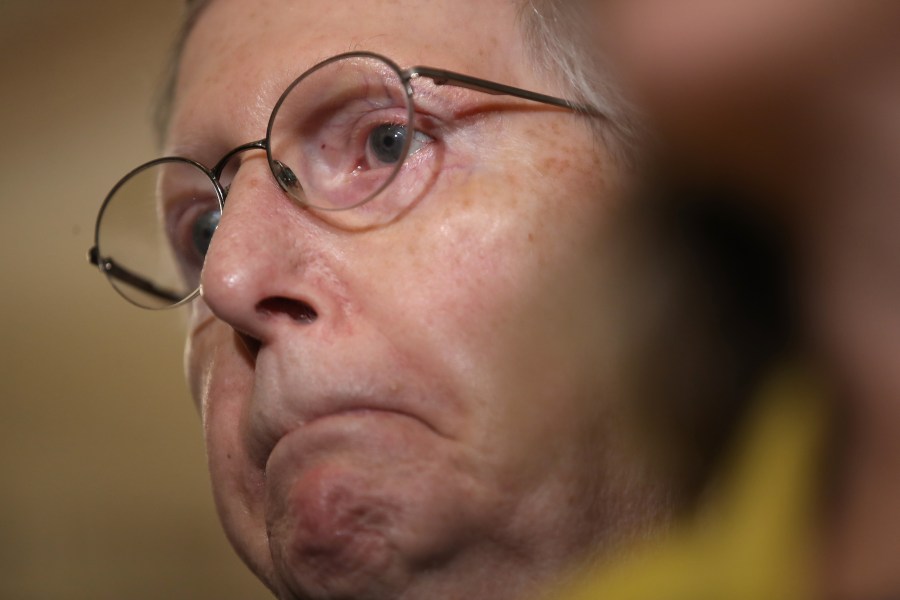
267, 270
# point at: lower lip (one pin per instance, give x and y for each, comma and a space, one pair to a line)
346, 432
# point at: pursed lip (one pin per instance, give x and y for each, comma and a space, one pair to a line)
266, 432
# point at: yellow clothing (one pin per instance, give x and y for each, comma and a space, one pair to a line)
754, 539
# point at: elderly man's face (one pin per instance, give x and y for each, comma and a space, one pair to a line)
412, 409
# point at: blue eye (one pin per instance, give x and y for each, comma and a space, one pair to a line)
203, 229
386, 143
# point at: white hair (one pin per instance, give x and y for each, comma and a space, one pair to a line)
558, 33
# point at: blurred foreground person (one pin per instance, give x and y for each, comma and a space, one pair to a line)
797, 105
395, 282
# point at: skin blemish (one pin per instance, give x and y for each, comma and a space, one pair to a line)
552, 164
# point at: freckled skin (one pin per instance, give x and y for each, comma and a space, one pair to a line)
474, 316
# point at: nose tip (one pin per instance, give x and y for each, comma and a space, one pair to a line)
263, 274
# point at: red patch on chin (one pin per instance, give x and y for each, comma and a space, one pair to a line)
334, 532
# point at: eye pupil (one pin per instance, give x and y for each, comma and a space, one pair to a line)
203, 230
386, 142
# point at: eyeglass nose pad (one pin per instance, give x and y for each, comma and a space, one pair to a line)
286, 178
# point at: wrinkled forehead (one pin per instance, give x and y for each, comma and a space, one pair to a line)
265, 44
475, 31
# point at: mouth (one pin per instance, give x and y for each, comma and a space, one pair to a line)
352, 445
338, 425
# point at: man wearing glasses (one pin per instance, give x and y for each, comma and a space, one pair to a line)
397, 339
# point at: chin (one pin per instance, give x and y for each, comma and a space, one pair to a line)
331, 535
369, 506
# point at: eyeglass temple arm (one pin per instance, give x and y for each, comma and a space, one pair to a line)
115, 271
442, 77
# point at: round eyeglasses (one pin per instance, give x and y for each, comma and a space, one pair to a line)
338, 136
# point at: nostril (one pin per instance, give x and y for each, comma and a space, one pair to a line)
297, 310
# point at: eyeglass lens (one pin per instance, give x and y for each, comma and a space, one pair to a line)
337, 137
340, 133
154, 230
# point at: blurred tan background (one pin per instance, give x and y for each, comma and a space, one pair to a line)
103, 487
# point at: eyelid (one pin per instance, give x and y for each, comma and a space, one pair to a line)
458, 108
174, 210
444, 102
177, 196
428, 123
179, 233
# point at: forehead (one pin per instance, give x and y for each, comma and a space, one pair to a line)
241, 55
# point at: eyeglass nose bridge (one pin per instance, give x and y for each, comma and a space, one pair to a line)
282, 173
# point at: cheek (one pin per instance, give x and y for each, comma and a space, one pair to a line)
506, 280
221, 379
205, 335
493, 224
468, 266
508, 245
221, 382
